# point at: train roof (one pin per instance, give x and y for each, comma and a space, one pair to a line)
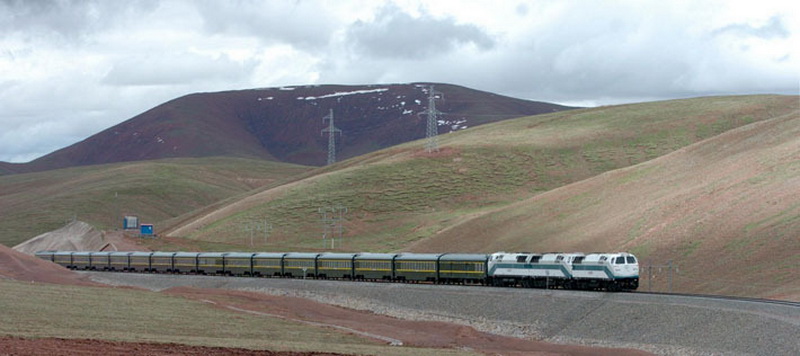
240, 254
163, 254
337, 256
418, 257
269, 255
186, 254
375, 256
140, 254
120, 253
464, 257
212, 254
301, 255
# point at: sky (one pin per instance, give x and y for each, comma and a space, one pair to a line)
70, 69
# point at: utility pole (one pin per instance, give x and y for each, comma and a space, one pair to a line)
332, 219
432, 132
331, 130
254, 227
672, 271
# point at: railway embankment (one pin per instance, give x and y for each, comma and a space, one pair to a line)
662, 324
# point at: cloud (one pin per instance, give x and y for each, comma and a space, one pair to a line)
67, 19
396, 34
301, 23
176, 69
773, 29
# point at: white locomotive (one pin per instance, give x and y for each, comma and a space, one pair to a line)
610, 271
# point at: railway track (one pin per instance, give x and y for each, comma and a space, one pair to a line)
725, 298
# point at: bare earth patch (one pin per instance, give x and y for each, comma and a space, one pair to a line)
57, 347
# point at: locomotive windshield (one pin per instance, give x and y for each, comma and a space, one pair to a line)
620, 260
631, 260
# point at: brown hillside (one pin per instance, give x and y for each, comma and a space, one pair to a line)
18, 266
725, 210
284, 124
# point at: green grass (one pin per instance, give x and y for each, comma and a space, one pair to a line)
44, 310
31, 204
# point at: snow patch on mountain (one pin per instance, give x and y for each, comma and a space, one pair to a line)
344, 93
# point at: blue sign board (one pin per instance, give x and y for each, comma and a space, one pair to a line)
146, 229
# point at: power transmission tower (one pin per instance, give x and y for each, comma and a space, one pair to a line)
432, 133
331, 130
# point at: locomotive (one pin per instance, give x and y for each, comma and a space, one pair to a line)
595, 271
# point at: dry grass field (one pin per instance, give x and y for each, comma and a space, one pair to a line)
36, 310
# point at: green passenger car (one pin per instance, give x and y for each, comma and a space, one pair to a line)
416, 267
335, 265
184, 262
63, 258
100, 260
81, 260
268, 264
161, 262
211, 263
300, 264
139, 261
239, 263
45, 255
463, 268
119, 261
374, 266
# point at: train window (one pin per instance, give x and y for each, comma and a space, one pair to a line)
620, 260
578, 260
631, 260
535, 259
560, 258
521, 258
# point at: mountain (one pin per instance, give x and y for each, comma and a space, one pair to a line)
285, 124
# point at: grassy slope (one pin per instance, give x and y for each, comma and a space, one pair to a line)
724, 210
40, 310
402, 195
31, 204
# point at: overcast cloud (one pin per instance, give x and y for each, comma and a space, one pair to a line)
69, 69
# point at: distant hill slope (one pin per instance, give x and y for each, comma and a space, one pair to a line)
402, 194
156, 191
284, 124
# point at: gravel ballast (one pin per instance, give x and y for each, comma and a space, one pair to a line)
656, 323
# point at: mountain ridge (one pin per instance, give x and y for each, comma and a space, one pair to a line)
284, 124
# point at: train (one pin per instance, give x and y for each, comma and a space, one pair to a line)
618, 271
